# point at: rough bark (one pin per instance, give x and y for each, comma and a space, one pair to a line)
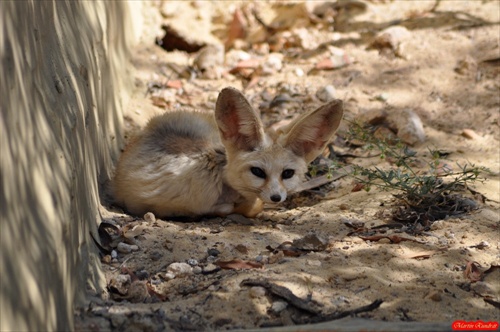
63, 83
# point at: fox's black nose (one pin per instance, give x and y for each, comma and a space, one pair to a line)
276, 198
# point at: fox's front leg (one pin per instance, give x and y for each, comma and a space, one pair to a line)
249, 207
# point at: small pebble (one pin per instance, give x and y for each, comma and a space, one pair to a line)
142, 274
311, 241
242, 248
213, 252
483, 289
272, 64
391, 38
149, 217
326, 93
123, 279
344, 206
197, 270
257, 291
435, 296
209, 56
299, 72
382, 97
438, 224
168, 276
409, 127
192, 262
114, 254
234, 56
137, 292
180, 269
449, 235
155, 255
469, 134
106, 259
278, 306
482, 245
313, 262
211, 259
339, 300
124, 248
239, 219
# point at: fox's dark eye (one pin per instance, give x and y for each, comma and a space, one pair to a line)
287, 173
258, 172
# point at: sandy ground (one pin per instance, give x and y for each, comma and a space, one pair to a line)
445, 68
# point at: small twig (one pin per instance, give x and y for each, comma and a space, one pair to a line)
435, 6
492, 302
121, 265
372, 306
475, 192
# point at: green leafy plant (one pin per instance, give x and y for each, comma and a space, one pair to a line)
427, 189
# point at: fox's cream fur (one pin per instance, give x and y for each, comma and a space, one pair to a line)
193, 164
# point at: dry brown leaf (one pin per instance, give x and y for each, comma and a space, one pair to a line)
358, 187
108, 233
472, 272
174, 84
237, 29
242, 248
287, 248
246, 64
397, 238
136, 230
254, 80
238, 264
333, 62
159, 102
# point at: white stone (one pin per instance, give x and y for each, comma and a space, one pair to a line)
180, 269
150, 217
272, 64
326, 93
278, 306
257, 291
410, 127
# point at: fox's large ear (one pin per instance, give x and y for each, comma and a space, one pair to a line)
239, 125
308, 135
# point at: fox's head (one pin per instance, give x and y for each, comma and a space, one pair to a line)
269, 165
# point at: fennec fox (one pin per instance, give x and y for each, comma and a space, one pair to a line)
193, 164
